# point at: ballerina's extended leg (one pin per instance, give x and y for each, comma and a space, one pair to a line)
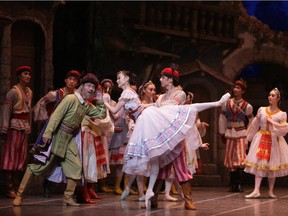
153, 177
203, 106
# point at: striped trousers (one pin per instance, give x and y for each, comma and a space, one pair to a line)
235, 153
14, 150
181, 171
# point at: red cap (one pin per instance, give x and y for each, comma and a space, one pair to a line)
73, 73
241, 83
23, 68
171, 73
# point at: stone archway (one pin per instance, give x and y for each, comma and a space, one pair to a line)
242, 57
250, 54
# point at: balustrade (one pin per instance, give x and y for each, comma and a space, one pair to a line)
190, 20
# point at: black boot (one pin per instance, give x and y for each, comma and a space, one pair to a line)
239, 180
46, 188
233, 183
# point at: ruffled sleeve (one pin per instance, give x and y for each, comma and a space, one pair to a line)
281, 128
7, 110
200, 127
40, 109
128, 94
222, 121
254, 126
105, 125
249, 113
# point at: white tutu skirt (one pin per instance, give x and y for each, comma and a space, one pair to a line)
159, 134
277, 166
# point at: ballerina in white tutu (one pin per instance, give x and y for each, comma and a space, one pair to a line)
157, 131
267, 155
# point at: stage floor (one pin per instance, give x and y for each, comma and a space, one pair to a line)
210, 201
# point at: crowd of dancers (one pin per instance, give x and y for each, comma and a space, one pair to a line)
145, 137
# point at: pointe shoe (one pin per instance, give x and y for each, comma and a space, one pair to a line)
167, 197
125, 193
253, 195
148, 197
224, 98
272, 195
141, 198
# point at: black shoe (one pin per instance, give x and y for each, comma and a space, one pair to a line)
46, 193
232, 188
239, 188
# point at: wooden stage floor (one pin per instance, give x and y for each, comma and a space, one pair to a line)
212, 201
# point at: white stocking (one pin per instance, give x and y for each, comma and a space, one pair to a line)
152, 180
258, 181
131, 179
126, 192
140, 184
154, 175
271, 182
203, 106
168, 185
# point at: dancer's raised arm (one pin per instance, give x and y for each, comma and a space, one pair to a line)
115, 109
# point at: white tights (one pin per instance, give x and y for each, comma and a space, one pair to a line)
203, 106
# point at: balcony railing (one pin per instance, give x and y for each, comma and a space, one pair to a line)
190, 19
